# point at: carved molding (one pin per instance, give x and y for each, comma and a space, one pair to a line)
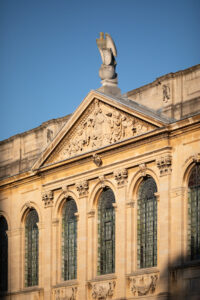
143, 170
164, 164
97, 160
142, 285
91, 213
130, 204
102, 290
82, 188
65, 293
101, 125
121, 176
47, 197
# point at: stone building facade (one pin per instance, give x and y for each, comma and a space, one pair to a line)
105, 203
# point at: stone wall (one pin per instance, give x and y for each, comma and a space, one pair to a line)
177, 95
19, 152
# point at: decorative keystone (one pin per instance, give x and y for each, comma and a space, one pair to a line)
47, 197
97, 160
196, 158
102, 290
143, 170
82, 188
121, 176
102, 181
164, 164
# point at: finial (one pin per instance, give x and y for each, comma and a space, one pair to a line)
107, 72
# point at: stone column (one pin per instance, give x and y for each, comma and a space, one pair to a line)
120, 232
46, 245
82, 188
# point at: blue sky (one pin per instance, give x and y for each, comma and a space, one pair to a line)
49, 60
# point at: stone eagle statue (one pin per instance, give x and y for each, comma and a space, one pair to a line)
108, 53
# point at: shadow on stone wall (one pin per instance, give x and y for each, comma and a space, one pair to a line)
184, 280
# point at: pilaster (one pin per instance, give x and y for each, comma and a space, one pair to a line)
82, 189
121, 177
46, 252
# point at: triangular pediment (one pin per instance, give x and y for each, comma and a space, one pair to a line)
98, 122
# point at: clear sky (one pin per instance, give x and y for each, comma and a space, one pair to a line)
49, 60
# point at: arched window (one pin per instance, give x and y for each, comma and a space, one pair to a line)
147, 224
3, 255
106, 232
194, 213
31, 248
69, 240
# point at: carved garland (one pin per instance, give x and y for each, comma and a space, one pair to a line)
143, 284
65, 293
102, 290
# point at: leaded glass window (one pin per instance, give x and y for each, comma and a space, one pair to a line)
31, 248
69, 240
3, 255
194, 213
147, 224
106, 233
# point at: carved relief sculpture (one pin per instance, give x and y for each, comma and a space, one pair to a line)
47, 197
65, 293
164, 164
143, 284
166, 93
102, 290
82, 188
100, 126
121, 176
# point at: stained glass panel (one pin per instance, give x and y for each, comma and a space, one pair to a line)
31, 248
106, 233
147, 224
69, 240
194, 213
3, 255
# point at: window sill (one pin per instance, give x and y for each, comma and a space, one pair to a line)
103, 277
66, 283
144, 271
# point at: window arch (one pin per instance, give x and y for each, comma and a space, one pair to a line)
31, 248
69, 240
147, 224
194, 213
106, 232
3, 255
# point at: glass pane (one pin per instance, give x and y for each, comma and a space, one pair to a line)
31, 249
106, 233
194, 213
69, 240
3, 255
147, 224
